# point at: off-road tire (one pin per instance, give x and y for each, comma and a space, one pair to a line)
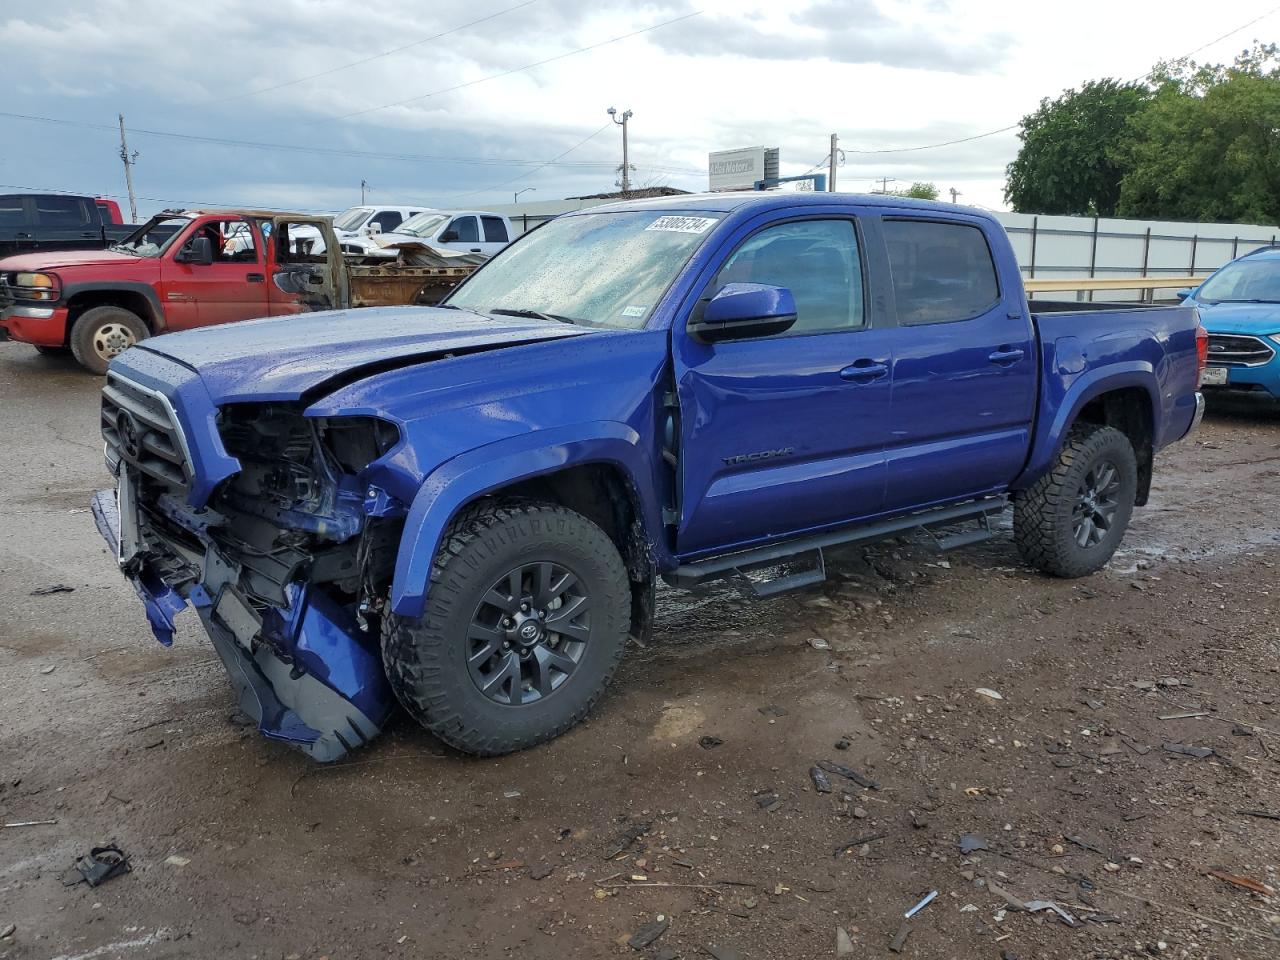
1043, 514
88, 344
425, 657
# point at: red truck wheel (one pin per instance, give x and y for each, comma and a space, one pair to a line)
526, 621
103, 332
1071, 520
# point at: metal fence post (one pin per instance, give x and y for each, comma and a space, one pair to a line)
1195, 241
1093, 255
1035, 225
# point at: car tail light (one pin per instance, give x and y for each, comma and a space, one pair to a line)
1202, 353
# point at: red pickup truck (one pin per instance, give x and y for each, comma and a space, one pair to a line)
178, 270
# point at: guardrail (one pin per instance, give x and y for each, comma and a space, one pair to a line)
1085, 287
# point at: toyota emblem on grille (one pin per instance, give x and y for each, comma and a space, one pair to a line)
130, 435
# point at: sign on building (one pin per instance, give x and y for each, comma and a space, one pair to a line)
740, 169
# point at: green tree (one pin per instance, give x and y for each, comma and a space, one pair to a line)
1067, 163
921, 191
1208, 145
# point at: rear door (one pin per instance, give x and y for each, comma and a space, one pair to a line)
17, 219
786, 433
231, 288
494, 231
66, 223
965, 362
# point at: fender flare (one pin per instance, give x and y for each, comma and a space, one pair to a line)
1087, 387
458, 481
157, 318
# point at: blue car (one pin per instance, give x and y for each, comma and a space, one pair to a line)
1240, 308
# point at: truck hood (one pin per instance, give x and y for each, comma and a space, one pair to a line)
1252, 318
61, 259
297, 357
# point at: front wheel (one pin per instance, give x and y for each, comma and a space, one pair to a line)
526, 620
104, 332
1071, 520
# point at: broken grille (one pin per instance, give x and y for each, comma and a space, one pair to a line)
140, 428
1239, 350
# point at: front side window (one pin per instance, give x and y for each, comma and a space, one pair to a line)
466, 229
153, 237
817, 260
941, 272
1245, 281
388, 220
598, 269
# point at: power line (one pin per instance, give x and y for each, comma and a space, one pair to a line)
523, 176
370, 59
1014, 126
507, 73
323, 151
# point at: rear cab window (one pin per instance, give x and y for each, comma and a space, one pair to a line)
942, 271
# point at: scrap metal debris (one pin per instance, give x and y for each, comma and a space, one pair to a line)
100, 865
900, 938
1264, 814
970, 842
988, 693
1034, 906
849, 774
821, 782
1247, 883
29, 823
928, 899
648, 933
1189, 751
52, 588
627, 838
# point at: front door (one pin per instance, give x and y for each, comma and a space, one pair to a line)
231, 288
786, 433
964, 368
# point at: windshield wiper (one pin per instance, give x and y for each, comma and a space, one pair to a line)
532, 314
1247, 300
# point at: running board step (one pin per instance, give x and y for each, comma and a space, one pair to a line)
715, 568
792, 581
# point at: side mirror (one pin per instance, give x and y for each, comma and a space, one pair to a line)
1184, 294
449, 236
373, 229
197, 251
743, 311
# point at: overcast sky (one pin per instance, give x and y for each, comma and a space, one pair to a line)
883, 74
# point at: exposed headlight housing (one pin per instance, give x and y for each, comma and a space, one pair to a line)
36, 286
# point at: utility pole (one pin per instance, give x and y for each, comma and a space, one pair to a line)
955, 193
831, 167
128, 160
364, 189
626, 165
884, 183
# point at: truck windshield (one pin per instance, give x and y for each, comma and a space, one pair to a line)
352, 219
600, 269
422, 225
151, 239
1245, 281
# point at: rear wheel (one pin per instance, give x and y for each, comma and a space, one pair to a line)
1070, 522
526, 620
105, 332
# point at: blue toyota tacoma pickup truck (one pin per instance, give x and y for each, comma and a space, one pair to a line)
466, 508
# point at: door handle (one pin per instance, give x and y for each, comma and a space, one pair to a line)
1006, 355
255, 277
475, 250
865, 370
89, 233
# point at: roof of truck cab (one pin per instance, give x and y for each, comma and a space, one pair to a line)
767, 199
238, 212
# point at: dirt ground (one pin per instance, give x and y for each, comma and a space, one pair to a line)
244, 848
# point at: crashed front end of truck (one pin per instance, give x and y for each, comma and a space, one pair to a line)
281, 557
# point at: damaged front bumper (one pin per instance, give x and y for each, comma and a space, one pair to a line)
305, 672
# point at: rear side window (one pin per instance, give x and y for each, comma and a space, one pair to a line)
495, 231
942, 272
12, 212
52, 211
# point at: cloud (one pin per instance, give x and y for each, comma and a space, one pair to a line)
841, 31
